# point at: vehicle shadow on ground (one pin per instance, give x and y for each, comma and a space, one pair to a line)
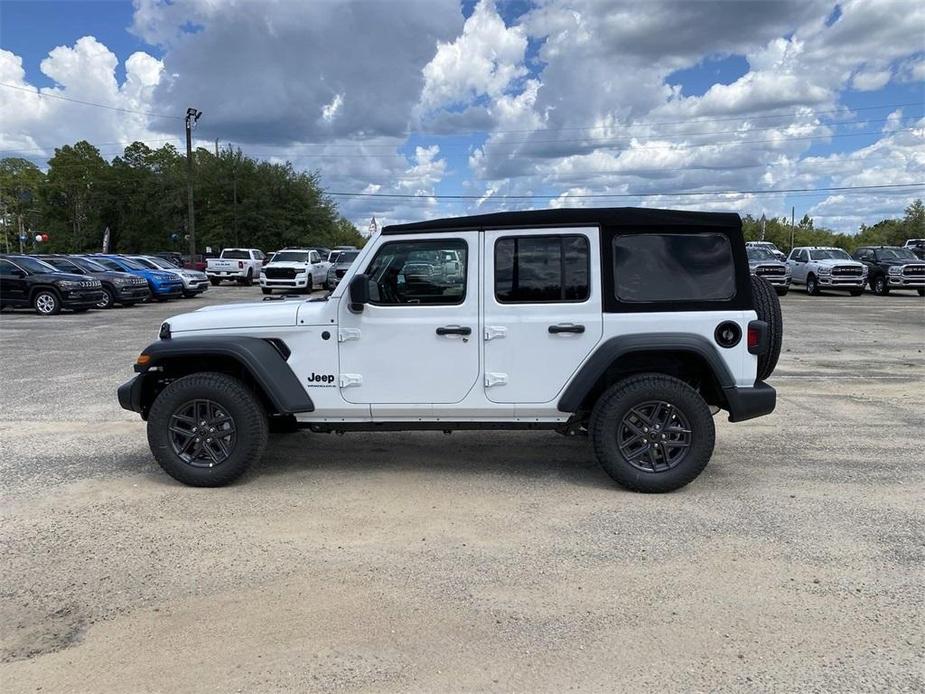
529, 455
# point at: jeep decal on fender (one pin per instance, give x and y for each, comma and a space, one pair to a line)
320, 380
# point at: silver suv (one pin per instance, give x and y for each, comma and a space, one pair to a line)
819, 267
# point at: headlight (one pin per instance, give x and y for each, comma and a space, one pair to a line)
301, 272
68, 285
895, 270
825, 270
122, 281
787, 270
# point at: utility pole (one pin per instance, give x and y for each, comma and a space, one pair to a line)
192, 117
792, 217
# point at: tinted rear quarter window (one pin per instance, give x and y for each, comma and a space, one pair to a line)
673, 267
542, 269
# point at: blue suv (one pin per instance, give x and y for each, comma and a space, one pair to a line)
164, 285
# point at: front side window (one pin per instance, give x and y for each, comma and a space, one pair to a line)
542, 269
412, 272
673, 267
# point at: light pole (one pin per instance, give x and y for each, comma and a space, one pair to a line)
192, 117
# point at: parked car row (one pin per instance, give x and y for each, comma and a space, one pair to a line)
50, 283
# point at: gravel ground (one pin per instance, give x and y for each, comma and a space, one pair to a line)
486, 561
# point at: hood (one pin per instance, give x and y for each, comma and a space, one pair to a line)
64, 277
261, 314
114, 275
835, 261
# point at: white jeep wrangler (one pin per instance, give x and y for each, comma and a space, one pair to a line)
630, 326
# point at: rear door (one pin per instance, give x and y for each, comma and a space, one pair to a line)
542, 313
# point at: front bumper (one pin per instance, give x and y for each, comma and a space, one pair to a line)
849, 282
138, 292
299, 282
130, 394
81, 298
195, 286
905, 282
748, 403
168, 291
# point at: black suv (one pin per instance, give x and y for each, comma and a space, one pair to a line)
26, 282
892, 267
118, 287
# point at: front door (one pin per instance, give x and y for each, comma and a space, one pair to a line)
416, 342
542, 310
13, 289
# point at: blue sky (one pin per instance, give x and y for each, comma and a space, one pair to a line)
556, 99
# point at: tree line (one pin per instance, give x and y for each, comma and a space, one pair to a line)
240, 201
141, 196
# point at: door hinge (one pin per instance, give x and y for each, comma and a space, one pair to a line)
345, 334
495, 379
493, 331
347, 380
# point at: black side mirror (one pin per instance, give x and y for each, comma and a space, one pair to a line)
359, 293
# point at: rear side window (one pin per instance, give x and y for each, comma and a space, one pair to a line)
673, 267
542, 269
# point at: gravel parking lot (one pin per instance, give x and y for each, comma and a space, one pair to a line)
482, 561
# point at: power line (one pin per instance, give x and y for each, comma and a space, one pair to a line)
47, 95
411, 196
97, 145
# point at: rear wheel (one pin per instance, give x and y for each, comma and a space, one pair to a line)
248, 280
46, 303
207, 429
812, 285
652, 433
767, 306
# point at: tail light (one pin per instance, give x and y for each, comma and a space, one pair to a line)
240, 265
757, 337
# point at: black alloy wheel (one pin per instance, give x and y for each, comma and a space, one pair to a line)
654, 436
202, 433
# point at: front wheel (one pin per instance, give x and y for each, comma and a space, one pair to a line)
921, 292
652, 433
214, 281
812, 286
207, 429
266, 290
781, 291
856, 292
880, 286
46, 303
108, 299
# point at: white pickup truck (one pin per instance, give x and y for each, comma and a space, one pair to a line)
239, 264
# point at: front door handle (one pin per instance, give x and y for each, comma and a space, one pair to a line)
454, 330
566, 328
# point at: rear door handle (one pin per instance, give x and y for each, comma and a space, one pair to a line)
454, 330
566, 328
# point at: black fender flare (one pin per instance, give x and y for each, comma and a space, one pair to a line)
614, 348
263, 361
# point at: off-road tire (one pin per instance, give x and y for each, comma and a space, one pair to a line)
246, 411
265, 290
812, 285
46, 302
767, 306
214, 281
880, 286
108, 299
615, 404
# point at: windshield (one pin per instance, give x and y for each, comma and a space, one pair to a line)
829, 254
133, 264
88, 265
160, 263
896, 254
758, 253
236, 255
347, 257
290, 257
34, 265
146, 262
62, 264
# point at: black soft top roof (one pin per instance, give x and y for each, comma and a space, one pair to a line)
585, 216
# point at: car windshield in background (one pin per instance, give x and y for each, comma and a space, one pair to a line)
896, 254
88, 265
34, 265
829, 254
236, 255
133, 264
759, 253
161, 263
144, 262
347, 257
290, 257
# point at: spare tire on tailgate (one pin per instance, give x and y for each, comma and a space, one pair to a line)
767, 306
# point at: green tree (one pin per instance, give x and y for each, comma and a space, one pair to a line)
20, 183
